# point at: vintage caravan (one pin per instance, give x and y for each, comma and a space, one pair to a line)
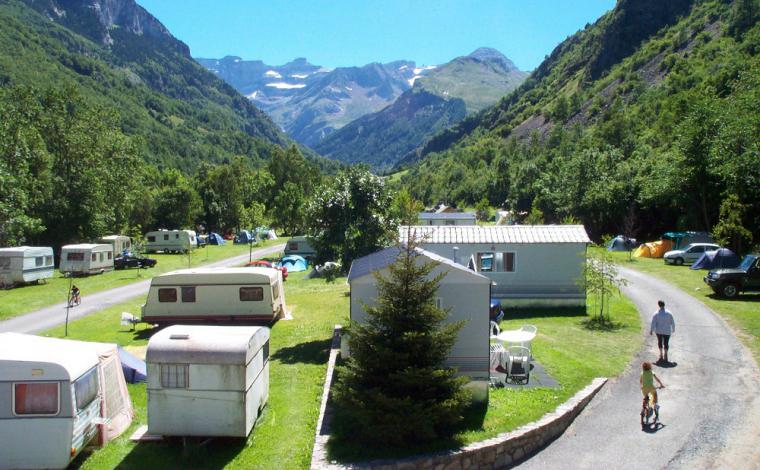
301, 246
207, 380
120, 243
170, 241
25, 264
215, 294
86, 258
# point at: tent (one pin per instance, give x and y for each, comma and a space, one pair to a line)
717, 259
244, 237
133, 367
215, 239
682, 239
621, 243
653, 249
294, 263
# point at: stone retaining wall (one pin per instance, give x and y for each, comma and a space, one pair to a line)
498, 452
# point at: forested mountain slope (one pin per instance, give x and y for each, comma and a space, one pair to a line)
438, 100
119, 56
645, 121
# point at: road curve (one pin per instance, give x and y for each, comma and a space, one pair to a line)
710, 407
54, 315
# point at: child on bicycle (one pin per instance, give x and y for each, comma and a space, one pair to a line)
647, 382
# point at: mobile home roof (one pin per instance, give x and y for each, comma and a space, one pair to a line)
199, 344
217, 276
498, 234
384, 258
87, 247
446, 216
75, 359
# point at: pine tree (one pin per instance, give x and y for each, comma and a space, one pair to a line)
394, 389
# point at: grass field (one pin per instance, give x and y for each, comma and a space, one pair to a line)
283, 437
742, 313
20, 300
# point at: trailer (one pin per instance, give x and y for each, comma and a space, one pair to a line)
215, 294
170, 241
301, 246
120, 243
25, 264
86, 258
207, 380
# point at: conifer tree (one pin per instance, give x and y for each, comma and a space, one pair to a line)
394, 389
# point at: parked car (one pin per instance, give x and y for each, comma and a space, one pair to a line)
690, 254
131, 261
262, 263
730, 282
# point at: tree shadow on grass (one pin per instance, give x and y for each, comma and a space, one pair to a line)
604, 325
311, 352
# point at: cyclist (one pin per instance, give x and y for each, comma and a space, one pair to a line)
74, 298
646, 380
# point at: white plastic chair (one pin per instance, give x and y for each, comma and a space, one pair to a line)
496, 354
528, 344
518, 364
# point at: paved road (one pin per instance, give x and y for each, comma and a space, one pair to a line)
52, 316
710, 406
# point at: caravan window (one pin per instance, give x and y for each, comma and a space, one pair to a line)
188, 294
36, 398
293, 246
251, 294
151, 238
48, 260
176, 236
167, 295
74, 256
39, 261
166, 236
94, 256
174, 375
86, 388
110, 255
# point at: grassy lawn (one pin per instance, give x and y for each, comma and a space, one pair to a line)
14, 302
742, 313
570, 351
284, 435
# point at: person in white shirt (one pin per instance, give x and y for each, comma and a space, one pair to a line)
663, 326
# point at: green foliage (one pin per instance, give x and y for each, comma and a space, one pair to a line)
406, 209
601, 279
394, 389
744, 15
482, 209
176, 202
351, 217
730, 230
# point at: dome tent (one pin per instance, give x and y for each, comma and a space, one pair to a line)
717, 259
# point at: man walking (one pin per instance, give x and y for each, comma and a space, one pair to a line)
663, 325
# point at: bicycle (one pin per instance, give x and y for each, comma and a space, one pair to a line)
75, 300
649, 411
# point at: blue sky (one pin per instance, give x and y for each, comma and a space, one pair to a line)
356, 32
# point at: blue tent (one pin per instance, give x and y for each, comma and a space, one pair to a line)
215, 239
244, 237
133, 367
621, 243
717, 259
294, 263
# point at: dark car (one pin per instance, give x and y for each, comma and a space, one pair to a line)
131, 261
730, 282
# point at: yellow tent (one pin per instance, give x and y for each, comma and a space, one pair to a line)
653, 249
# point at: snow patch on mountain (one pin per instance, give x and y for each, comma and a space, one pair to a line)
285, 86
300, 76
272, 74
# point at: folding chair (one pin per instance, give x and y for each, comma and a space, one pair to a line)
518, 364
496, 354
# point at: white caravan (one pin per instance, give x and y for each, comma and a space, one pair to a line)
118, 242
25, 264
215, 294
86, 258
207, 380
301, 246
170, 241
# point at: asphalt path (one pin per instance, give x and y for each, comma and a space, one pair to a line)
54, 315
710, 406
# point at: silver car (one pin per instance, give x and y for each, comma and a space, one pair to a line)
690, 254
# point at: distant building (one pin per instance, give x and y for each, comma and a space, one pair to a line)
447, 218
530, 265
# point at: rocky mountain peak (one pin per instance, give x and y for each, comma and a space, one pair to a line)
488, 54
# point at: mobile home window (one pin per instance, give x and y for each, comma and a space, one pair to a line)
86, 388
48, 260
39, 261
176, 236
36, 398
94, 256
174, 375
508, 262
75, 256
166, 236
450, 222
485, 262
151, 238
188, 294
167, 295
251, 294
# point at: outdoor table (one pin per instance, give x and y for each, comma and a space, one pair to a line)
516, 336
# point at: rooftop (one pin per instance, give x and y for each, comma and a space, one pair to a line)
384, 258
515, 234
446, 215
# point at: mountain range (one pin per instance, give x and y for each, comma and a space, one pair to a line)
310, 102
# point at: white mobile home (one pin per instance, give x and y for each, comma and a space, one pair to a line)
25, 264
301, 246
170, 241
215, 294
120, 243
207, 380
539, 265
464, 292
86, 258
447, 218
56, 397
